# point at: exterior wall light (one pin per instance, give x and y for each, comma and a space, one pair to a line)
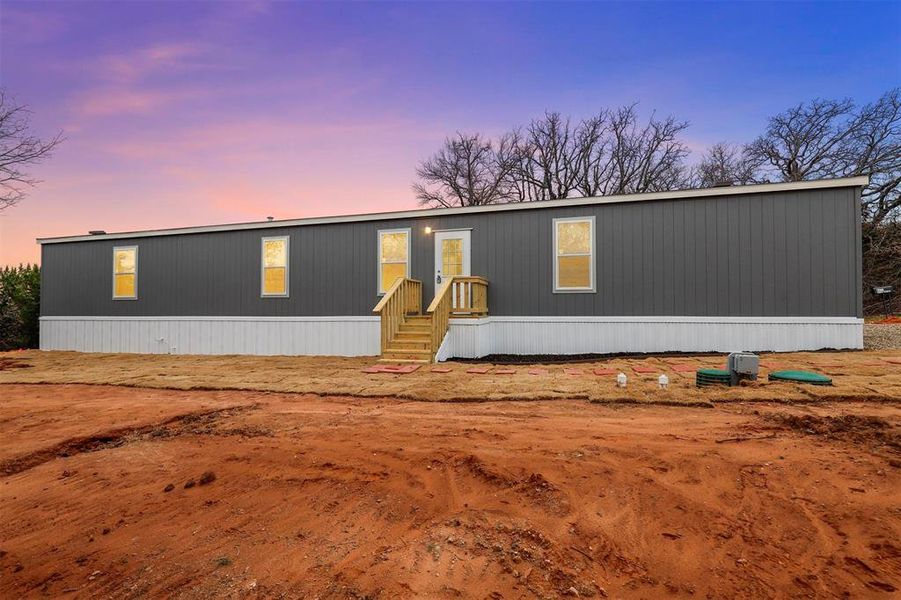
428, 230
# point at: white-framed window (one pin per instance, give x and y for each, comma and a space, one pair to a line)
574, 255
125, 273
394, 257
274, 267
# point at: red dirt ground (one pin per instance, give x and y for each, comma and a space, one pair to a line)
349, 498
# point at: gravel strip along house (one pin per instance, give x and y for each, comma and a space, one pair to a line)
758, 267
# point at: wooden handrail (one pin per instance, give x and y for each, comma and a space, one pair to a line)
402, 298
461, 296
387, 297
477, 278
439, 311
439, 295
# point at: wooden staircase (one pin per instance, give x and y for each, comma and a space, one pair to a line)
412, 342
408, 336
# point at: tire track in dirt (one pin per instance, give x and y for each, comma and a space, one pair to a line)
115, 438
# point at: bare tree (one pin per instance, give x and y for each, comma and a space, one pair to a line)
594, 146
18, 150
468, 170
554, 157
876, 145
550, 153
726, 164
642, 159
518, 182
832, 138
807, 141
608, 153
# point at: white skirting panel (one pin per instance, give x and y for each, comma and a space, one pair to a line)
327, 336
474, 338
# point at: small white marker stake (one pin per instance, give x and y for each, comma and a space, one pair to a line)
663, 381
621, 380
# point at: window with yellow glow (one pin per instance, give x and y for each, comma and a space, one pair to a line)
452, 257
125, 273
574, 255
275, 266
394, 257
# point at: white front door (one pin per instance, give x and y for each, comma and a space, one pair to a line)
451, 255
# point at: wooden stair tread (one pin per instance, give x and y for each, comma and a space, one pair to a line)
395, 347
412, 342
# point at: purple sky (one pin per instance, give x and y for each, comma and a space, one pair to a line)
202, 112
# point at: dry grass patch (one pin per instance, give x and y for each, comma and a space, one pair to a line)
857, 376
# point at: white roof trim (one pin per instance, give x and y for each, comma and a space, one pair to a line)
443, 212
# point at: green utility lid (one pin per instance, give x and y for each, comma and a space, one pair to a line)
704, 377
713, 373
801, 377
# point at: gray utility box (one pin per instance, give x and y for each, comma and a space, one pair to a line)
742, 365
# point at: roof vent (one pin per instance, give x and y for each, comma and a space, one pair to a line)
268, 218
723, 183
97, 232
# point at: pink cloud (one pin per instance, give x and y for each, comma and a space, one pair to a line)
137, 64
145, 97
268, 136
124, 79
111, 101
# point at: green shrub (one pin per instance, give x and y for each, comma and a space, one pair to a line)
20, 306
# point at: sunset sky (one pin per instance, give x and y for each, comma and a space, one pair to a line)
190, 113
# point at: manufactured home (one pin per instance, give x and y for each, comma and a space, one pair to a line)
758, 267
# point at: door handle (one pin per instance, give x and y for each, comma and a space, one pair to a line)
438, 278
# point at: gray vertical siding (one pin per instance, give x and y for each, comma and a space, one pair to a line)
769, 254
